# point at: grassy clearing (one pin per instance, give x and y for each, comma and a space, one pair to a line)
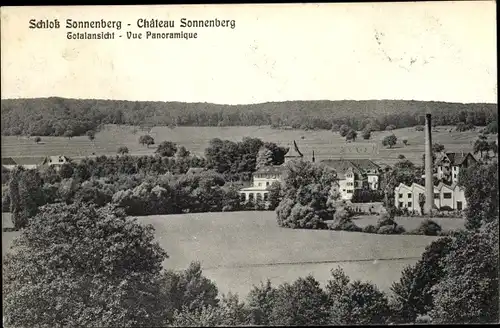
324, 143
240, 249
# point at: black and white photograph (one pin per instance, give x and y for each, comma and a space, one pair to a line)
324, 164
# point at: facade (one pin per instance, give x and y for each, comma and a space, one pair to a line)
445, 196
355, 174
262, 179
449, 165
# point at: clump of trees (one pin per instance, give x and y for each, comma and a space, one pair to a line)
146, 140
389, 141
306, 196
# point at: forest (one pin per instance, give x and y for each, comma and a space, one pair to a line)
73, 117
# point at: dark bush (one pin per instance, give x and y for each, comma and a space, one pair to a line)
370, 229
446, 208
429, 228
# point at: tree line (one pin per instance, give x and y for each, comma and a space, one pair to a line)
72, 117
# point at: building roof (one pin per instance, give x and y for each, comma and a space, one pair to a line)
454, 158
22, 160
271, 169
254, 189
342, 165
293, 151
440, 186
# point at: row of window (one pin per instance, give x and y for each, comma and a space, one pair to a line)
258, 196
446, 195
267, 184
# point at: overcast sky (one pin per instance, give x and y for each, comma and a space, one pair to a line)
442, 51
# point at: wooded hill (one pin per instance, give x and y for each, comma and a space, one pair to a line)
60, 116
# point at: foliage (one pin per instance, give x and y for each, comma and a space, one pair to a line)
261, 302
343, 130
481, 145
390, 127
366, 134
300, 303
461, 127
66, 171
53, 116
405, 141
166, 149
492, 127
78, 265
389, 140
480, 183
146, 140
342, 220
429, 228
91, 135
412, 294
25, 193
274, 195
182, 152
370, 229
355, 302
306, 194
37, 139
468, 290
264, 158
122, 150
351, 135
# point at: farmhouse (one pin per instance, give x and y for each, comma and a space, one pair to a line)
449, 165
445, 196
55, 161
355, 174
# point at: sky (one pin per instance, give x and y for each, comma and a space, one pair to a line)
438, 51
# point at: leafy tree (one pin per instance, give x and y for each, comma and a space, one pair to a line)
274, 195
437, 148
351, 135
91, 135
481, 145
493, 146
166, 149
264, 158
26, 195
15, 200
146, 140
412, 294
122, 150
335, 127
37, 140
401, 156
66, 171
343, 130
78, 265
480, 183
468, 290
301, 303
261, 301
355, 302
429, 228
389, 140
492, 127
390, 127
405, 141
182, 152
69, 133
367, 134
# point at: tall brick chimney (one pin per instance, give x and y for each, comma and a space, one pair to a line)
429, 185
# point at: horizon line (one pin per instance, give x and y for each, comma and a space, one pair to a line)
256, 103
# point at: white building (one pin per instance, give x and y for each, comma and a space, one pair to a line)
354, 174
56, 161
449, 165
262, 179
450, 196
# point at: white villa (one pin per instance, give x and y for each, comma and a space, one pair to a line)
451, 196
355, 174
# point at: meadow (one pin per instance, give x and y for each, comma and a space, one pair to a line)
325, 144
240, 249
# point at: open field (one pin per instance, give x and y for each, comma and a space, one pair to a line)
240, 249
324, 143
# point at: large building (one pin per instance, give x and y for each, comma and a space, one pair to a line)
354, 174
29, 163
445, 196
449, 165
266, 175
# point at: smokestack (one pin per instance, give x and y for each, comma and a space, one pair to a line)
429, 185
313, 159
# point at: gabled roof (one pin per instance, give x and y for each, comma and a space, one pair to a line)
271, 169
293, 151
454, 158
341, 165
365, 164
22, 160
8, 161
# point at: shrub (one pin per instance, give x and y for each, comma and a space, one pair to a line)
261, 302
446, 208
391, 230
429, 228
419, 128
370, 229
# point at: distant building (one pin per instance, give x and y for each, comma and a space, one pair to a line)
449, 165
408, 197
354, 174
293, 153
28, 163
56, 161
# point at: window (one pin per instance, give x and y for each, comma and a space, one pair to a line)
259, 197
436, 196
409, 195
343, 190
267, 183
250, 196
260, 184
409, 204
459, 205
454, 176
266, 197
400, 195
242, 197
400, 204
349, 191
447, 195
